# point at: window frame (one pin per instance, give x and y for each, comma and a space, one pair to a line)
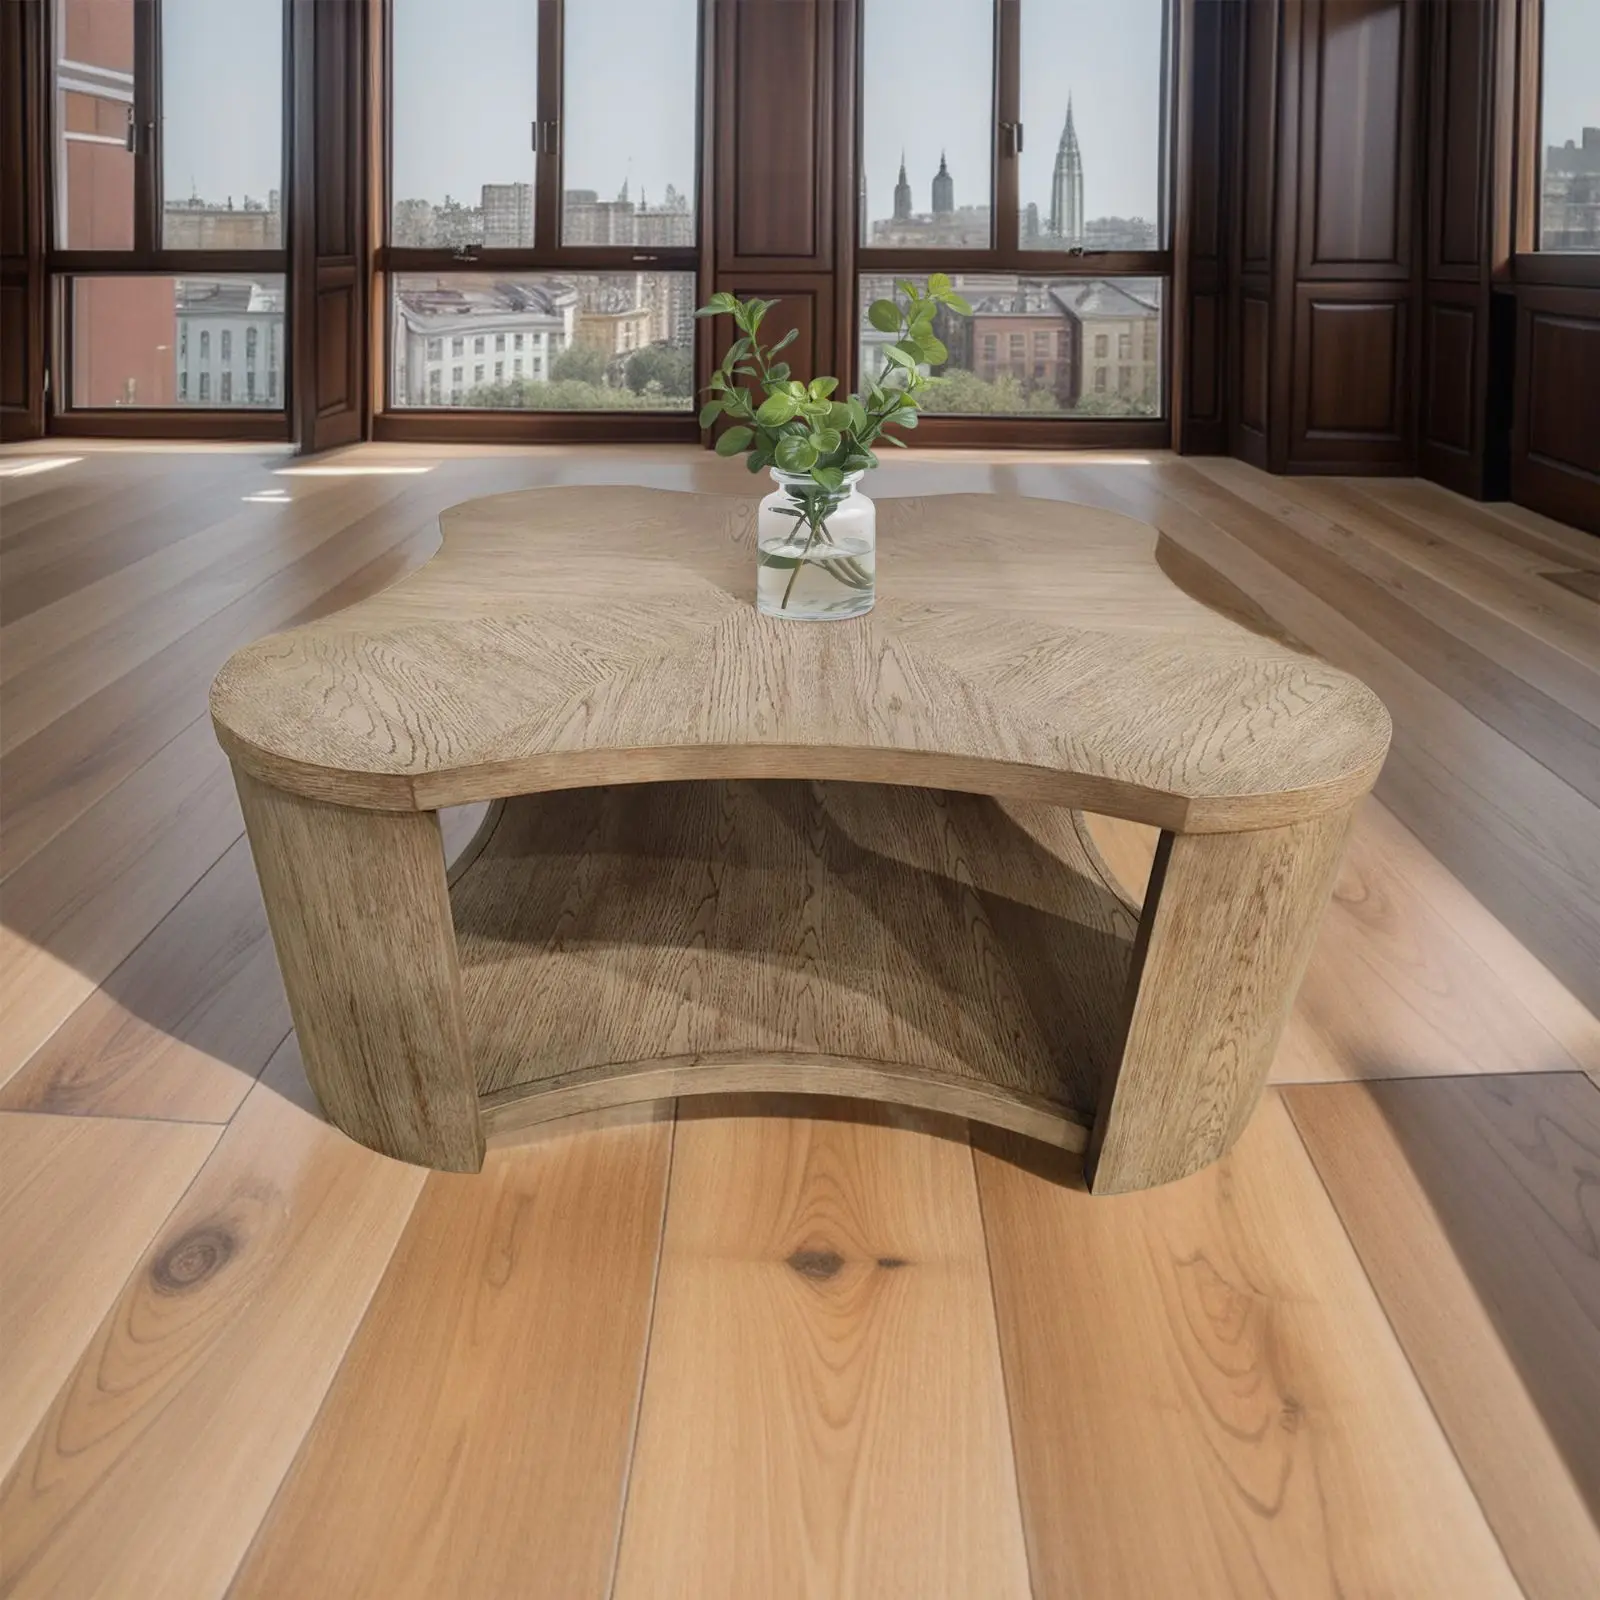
149, 258
1007, 255
546, 254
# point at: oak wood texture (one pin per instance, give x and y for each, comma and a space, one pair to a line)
786, 1443
1471, 1205
933, 948
160, 1454
80, 1198
519, 1304
1207, 1427
1228, 926
360, 917
567, 638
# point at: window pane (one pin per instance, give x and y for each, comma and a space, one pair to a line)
927, 124
145, 341
222, 124
94, 101
1570, 211
1093, 93
629, 116
1037, 346
606, 341
464, 103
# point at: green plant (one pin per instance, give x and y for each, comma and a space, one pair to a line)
799, 427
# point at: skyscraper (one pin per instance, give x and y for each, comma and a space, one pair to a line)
1066, 187
944, 190
902, 194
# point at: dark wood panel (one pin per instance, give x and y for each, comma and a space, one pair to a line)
1555, 442
1349, 407
1254, 346
775, 133
22, 280
1356, 145
1204, 374
1449, 376
1458, 134
1209, 102
337, 381
805, 305
1258, 133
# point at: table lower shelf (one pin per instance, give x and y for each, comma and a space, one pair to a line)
936, 949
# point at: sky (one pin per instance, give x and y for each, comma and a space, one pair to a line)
927, 73
222, 72
1571, 69
465, 96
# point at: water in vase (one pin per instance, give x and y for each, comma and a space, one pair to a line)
815, 558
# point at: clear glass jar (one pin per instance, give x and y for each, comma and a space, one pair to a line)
815, 549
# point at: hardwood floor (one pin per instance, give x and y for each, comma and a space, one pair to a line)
794, 1349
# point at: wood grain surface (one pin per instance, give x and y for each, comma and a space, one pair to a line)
1230, 1416
80, 1198
518, 1304
360, 917
158, 1457
573, 637
968, 947
1475, 1207
823, 1413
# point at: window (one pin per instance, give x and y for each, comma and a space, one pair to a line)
477, 347
250, 387
927, 122
455, 377
1093, 96
168, 138
434, 387
221, 123
436, 349
1077, 307
642, 55
625, 340
458, 347
1124, 380
1102, 345
518, 341
1569, 137
499, 343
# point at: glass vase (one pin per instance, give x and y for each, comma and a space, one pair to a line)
815, 549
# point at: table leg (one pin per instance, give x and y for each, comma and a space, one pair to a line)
1228, 926
360, 916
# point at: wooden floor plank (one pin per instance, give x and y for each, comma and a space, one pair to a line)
822, 1412
156, 1462
79, 1201
183, 1026
77, 908
1206, 1399
1475, 1208
477, 1439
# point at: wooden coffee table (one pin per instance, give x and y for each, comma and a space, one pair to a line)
733, 853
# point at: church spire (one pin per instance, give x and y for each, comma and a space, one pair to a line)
1066, 187
902, 194
1069, 134
944, 189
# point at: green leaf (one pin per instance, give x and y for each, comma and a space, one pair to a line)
776, 409
839, 417
957, 304
709, 412
796, 453
909, 290
858, 461
755, 310
737, 351
718, 305
784, 343
718, 381
858, 414
821, 388
829, 477
884, 315
756, 460
933, 350
827, 440
766, 558
796, 388
899, 355
889, 438
734, 440
939, 284
905, 417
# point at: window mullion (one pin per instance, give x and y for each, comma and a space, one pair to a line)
547, 169
146, 130
1008, 100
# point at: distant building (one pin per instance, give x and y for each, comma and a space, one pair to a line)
1119, 339
944, 190
507, 216
196, 224
1570, 199
456, 334
1066, 188
1119, 233
1018, 330
230, 342
902, 193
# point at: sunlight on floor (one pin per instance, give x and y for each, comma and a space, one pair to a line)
27, 468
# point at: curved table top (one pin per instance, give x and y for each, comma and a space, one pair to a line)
572, 637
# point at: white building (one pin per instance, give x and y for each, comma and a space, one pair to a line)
230, 342
455, 334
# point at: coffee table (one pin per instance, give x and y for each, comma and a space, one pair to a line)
731, 853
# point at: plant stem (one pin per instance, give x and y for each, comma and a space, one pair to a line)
788, 589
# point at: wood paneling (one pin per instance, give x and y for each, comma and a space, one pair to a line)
1461, 48
328, 262
1555, 451
805, 304
775, 119
1258, 140
1254, 347
1356, 141
1449, 366
1350, 383
23, 143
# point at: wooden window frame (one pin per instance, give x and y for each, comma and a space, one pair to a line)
547, 254
148, 258
1007, 255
